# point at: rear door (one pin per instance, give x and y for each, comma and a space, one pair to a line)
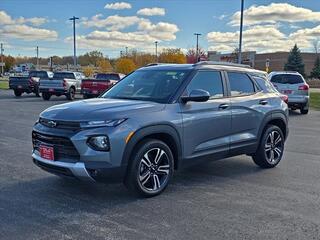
248, 108
206, 125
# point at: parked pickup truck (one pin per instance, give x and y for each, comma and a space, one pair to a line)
29, 84
62, 83
101, 82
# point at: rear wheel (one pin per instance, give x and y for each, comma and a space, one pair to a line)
71, 94
304, 111
17, 93
85, 96
271, 148
151, 168
46, 96
37, 92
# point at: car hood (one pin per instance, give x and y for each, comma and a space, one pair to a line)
99, 109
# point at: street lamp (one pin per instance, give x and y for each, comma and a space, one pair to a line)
74, 40
240, 37
197, 48
156, 43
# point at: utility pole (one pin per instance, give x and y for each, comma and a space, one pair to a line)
74, 40
2, 63
156, 43
197, 48
240, 38
37, 51
126, 51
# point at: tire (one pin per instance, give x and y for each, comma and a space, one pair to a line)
85, 96
37, 92
270, 150
46, 96
304, 111
149, 175
17, 93
71, 94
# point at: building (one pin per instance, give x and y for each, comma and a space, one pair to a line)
277, 60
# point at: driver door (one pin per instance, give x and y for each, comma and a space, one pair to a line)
206, 125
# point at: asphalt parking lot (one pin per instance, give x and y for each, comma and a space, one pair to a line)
229, 199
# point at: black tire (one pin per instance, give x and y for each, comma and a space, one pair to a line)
37, 92
17, 93
147, 177
304, 111
71, 94
268, 154
46, 96
85, 96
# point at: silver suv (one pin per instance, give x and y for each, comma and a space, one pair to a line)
295, 87
160, 119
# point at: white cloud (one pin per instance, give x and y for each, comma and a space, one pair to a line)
275, 12
112, 23
152, 11
28, 33
264, 38
6, 19
118, 5
161, 31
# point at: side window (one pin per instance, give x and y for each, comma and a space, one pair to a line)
264, 84
209, 81
240, 84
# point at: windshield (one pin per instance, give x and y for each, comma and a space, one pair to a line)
62, 75
107, 76
148, 85
286, 79
38, 74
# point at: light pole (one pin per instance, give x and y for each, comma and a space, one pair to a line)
156, 43
74, 40
37, 51
197, 48
240, 38
2, 72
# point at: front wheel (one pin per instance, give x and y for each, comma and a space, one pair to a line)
271, 148
151, 168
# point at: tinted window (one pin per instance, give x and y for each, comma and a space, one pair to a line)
62, 75
107, 76
148, 85
264, 84
40, 74
240, 84
286, 79
209, 81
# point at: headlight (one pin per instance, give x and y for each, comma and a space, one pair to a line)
106, 123
99, 143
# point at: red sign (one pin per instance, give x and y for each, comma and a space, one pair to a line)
47, 152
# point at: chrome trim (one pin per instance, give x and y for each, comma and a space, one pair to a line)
78, 169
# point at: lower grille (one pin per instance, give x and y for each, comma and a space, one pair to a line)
63, 147
54, 169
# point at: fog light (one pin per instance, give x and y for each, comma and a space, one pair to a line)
99, 143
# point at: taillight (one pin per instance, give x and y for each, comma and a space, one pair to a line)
64, 83
304, 87
284, 98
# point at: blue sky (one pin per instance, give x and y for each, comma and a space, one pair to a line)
269, 25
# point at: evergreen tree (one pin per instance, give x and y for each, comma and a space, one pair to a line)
295, 62
315, 73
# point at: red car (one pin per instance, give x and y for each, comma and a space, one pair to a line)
101, 82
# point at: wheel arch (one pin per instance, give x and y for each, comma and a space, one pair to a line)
163, 132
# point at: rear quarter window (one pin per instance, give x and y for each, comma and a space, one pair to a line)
264, 84
286, 79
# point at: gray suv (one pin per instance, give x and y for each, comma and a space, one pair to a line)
162, 118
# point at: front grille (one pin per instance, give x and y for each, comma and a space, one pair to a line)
63, 147
68, 125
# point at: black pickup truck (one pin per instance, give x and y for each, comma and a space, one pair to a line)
28, 84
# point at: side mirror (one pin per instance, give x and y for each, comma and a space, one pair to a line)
197, 95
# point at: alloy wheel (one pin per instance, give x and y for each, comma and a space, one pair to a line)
273, 147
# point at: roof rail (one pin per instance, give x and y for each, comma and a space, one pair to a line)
222, 64
154, 64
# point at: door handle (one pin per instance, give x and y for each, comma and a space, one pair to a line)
223, 106
263, 102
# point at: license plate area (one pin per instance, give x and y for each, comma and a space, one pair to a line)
46, 152
287, 91
95, 92
51, 90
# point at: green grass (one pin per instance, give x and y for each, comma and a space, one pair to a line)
315, 100
4, 85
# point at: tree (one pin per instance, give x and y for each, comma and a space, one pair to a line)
104, 65
295, 61
192, 55
90, 58
88, 71
125, 65
172, 55
315, 73
9, 62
